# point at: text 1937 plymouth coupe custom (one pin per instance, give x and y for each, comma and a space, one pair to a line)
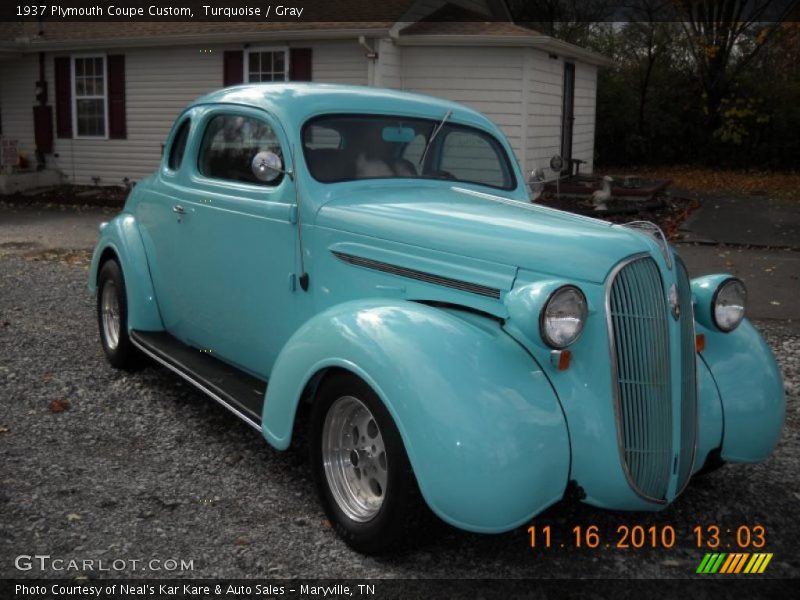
375, 254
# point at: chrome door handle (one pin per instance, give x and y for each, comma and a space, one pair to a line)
178, 209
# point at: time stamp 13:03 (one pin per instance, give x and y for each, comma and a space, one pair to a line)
624, 537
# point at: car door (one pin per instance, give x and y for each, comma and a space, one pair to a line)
161, 222
236, 248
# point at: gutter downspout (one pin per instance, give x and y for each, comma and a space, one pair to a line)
373, 70
41, 100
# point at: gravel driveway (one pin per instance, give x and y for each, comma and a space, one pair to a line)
143, 466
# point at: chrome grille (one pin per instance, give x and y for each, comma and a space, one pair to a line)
640, 336
688, 378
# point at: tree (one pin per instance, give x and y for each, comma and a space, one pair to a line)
724, 37
572, 21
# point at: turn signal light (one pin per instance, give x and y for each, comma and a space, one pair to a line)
560, 359
700, 342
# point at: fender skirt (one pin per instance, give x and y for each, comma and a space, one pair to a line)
482, 427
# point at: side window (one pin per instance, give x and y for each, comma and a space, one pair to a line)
469, 156
178, 148
229, 144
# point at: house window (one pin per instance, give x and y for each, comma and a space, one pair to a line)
270, 64
89, 93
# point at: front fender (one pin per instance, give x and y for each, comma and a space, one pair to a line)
482, 427
750, 389
121, 236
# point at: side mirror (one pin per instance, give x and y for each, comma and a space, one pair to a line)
267, 166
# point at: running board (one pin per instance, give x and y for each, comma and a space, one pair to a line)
239, 392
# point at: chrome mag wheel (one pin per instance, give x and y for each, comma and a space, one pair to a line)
110, 314
354, 458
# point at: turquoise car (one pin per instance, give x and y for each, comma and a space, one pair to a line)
373, 258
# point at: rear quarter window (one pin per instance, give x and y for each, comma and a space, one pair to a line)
178, 148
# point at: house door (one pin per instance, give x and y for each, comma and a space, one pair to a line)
568, 113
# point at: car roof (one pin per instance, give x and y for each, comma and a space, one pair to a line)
297, 102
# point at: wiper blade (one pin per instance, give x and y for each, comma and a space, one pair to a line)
433, 137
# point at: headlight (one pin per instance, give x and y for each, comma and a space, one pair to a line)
728, 304
563, 317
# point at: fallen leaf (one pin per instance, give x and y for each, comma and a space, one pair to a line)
58, 405
73, 517
242, 541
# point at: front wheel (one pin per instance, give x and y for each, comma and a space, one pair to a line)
360, 467
112, 318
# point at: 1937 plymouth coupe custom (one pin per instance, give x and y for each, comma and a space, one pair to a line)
375, 254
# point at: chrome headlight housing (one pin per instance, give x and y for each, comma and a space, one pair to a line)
563, 317
728, 304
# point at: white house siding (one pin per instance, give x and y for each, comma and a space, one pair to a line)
159, 83
545, 105
518, 88
388, 71
545, 92
17, 96
585, 104
337, 62
486, 79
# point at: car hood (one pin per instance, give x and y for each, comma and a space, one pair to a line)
484, 226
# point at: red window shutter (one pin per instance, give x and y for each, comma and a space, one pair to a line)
117, 128
233, 67
300, 64
63, 97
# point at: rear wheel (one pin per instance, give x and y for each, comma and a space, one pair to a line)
112, 318
361, 470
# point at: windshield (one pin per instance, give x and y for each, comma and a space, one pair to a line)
348, 147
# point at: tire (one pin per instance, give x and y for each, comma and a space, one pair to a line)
713, 463
369, 493
112, 318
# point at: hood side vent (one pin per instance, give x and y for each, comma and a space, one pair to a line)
456, 284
